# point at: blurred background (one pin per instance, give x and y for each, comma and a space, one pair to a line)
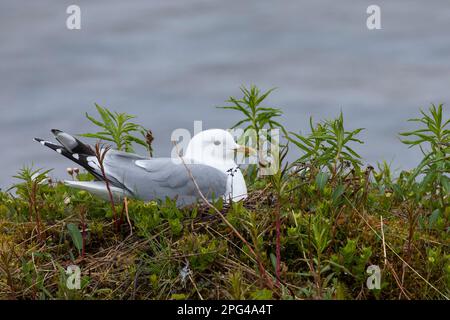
172, 62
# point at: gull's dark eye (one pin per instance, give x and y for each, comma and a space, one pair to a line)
217, 142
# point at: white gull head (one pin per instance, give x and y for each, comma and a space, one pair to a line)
217, 148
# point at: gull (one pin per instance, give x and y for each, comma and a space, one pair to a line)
208, 166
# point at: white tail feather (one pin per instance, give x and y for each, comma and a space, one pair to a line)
98, 188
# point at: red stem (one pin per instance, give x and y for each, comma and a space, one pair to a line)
278, 241
100, 158
83, 235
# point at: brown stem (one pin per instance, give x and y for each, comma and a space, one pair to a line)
33, 204
125, 205
278, 239
83, 233
101, 157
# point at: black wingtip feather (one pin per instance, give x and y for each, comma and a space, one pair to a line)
80, 159
71, 143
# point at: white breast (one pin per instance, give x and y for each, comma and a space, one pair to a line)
236, 187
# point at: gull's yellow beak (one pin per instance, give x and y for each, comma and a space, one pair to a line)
247, 151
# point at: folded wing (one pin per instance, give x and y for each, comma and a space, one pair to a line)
158, 178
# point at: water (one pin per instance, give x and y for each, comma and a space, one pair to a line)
172, 62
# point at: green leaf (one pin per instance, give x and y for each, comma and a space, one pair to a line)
321, 180
94, 121
445, 182
178, 296
137, 140
96, 136
263, 294
273, 259
398, 190
75, 233
106, 115
337, 193
433, 218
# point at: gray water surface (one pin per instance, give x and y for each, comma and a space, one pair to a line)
172, 62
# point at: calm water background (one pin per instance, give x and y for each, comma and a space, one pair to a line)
172, 62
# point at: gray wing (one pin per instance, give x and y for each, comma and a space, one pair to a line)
158, 178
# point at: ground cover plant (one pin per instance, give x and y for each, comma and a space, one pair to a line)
311, 231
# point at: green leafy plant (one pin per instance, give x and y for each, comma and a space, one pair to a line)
117, 128
29, 178
256, 118
425, 190
352, 261
237, 289
76, 236
433, 139
314, 238
29, 189
152, 215
201, 250
328, 146
263, 294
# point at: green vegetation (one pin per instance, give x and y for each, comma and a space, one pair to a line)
117, 128
308, 232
